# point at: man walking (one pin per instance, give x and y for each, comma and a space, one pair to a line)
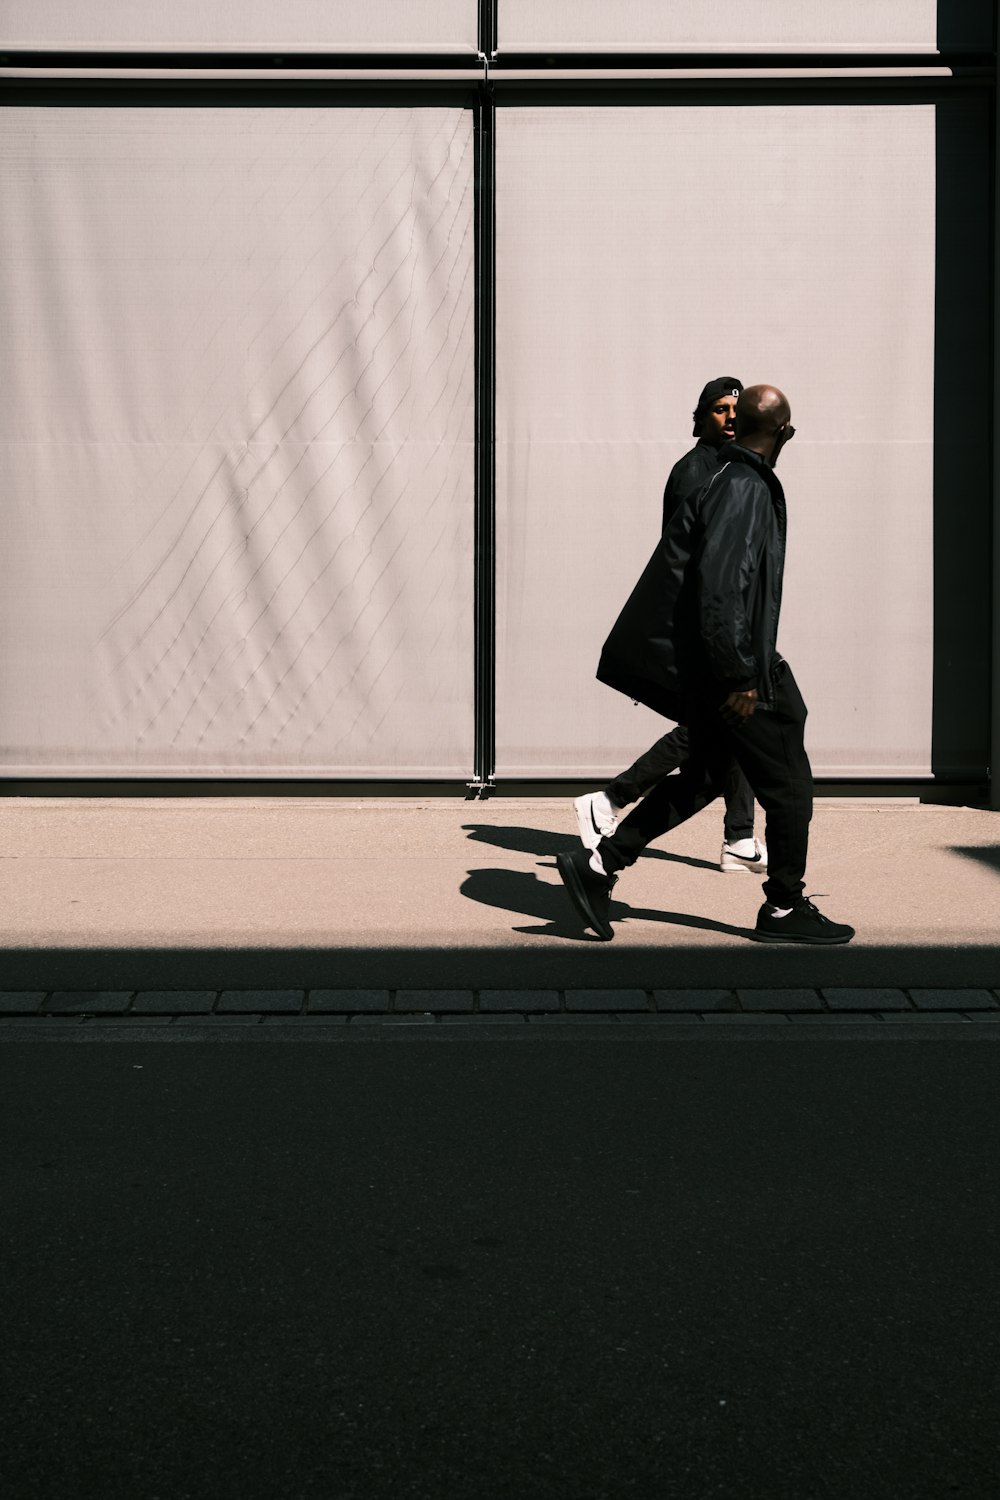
597, 813
697, 641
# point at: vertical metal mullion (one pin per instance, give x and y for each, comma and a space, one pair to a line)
484, 766
487, 28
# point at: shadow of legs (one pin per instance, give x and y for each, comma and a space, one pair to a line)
523, 893
539, 842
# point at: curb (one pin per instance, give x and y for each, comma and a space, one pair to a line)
313, 1012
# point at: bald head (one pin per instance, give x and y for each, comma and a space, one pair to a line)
762, 416
761, 409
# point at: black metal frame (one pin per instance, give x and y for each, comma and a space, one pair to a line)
484, 764
488, 28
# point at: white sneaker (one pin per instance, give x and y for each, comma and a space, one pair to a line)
595, 818
745, 854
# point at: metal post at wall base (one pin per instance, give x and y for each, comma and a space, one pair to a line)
484, 595
478, 791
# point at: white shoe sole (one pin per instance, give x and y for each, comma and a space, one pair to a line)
590, 836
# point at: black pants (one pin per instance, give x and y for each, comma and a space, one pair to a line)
665, 756
770, 751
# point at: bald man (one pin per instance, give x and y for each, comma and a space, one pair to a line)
697, 641
597, 813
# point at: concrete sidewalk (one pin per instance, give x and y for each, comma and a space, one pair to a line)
233, 893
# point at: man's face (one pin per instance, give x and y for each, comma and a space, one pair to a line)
718, 425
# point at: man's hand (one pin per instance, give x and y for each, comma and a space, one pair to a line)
738, 707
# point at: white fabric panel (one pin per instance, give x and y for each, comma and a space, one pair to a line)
691, 25
236, 436
628, 275
320, 25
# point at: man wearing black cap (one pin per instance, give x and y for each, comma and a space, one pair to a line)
597, 813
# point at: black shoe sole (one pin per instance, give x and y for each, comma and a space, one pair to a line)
813, 942
578, 895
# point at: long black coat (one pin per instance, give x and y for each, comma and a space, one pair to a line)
704, 615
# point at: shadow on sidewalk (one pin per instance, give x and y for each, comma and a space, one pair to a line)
541, 842
518, 891
988, 855
512, 964
527, 896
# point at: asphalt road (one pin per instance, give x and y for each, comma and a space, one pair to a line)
468, 1268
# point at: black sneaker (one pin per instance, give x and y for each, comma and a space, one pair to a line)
589, 892
803, 924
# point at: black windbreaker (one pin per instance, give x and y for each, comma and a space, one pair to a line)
688, 475
704, 615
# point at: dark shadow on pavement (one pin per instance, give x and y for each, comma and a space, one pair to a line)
518, 891
522, 840
512, 963
538, 841
988, 855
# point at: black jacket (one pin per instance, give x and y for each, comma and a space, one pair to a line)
703, 617
688, 475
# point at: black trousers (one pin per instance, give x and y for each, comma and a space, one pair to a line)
665, 756
770, 751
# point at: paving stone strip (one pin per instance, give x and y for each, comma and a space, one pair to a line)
315, 1008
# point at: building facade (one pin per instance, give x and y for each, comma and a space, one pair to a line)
347, 348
